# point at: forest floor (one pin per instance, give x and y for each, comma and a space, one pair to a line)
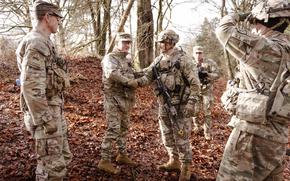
86, 122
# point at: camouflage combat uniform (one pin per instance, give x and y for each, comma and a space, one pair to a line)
255, 148
176, 72
43, 80
119, 99
209, 67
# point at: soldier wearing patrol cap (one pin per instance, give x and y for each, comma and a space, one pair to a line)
119, 98
207, 74
257, 145
43, 79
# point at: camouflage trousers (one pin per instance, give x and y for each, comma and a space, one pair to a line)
53, 153
117, 130
204, 105
177, 146
249, 157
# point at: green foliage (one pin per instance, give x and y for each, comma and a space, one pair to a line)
210, 43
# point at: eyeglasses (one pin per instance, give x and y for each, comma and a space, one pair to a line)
59, 19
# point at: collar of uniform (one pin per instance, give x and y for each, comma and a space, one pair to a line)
120, 54
170, 52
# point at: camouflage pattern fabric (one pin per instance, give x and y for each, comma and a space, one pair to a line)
259, 58
177, 146
42, 84
204, 105
206, 95
119, 99
178, 75
242, 150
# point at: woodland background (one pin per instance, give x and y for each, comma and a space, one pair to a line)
86, 34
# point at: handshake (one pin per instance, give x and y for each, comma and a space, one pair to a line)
140, 80
134, 83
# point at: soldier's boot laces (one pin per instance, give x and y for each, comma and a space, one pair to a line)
185, 172
107, 166
124, 159
172, 165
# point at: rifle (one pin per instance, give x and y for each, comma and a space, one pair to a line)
202, 75
170, 109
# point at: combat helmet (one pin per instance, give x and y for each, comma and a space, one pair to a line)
122, 36
271, 9
168, 35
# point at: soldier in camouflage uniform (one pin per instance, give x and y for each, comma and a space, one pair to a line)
257, 145
207, 73
119, 98
43, 79
176, 72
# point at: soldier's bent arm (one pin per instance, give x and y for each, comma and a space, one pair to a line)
112, 71
239, 41
34, 81
190, 74
148, 74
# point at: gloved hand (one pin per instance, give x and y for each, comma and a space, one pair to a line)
133, 83
50, 127
189, 109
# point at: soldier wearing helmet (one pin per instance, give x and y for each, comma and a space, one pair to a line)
207, 74
42, 87
257, 145
176, 87
119, 98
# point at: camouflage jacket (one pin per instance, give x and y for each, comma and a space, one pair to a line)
208, 72
117, 71
177, 74
259, 60
43, 76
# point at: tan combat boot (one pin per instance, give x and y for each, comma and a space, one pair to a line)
124, 159
172, 165
107, 166
185, 172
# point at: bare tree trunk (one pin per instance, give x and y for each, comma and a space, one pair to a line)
159, 23
106, 24
122, 23
144, 33
94, 24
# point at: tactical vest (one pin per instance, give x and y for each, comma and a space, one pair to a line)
57, 77
172, 77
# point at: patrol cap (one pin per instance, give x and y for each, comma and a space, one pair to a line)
197, 49
271, 9
122, 36
41, 7
168, 35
